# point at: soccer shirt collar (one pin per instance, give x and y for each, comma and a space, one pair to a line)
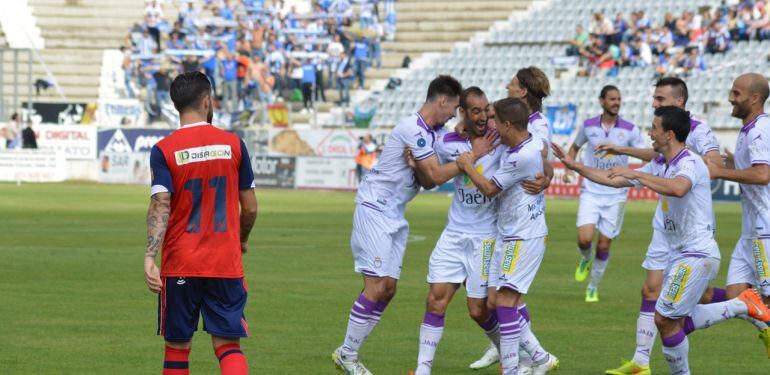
193, 124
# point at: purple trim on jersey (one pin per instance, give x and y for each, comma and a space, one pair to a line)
425, 155
682, 154
593, 121
535, 116
453, 137
694, 123
518, 147
421, 122
710, 149
660, 160
674, 340
512, 238
497, 183
372, 206
758, 162
369, 273
691, 254
746, 128
433, 320
625, 125
648, 306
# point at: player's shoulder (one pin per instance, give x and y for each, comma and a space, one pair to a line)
760, 126
538, 118
408, 125
698, 125
625, 124
592, 122
451, 137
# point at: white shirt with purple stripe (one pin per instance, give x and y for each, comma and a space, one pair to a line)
701, 139
592, 134
520, 216
687, 222
753, 147
470, 212
391, 184
540, 126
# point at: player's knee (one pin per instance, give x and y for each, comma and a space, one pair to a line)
584, 242
650, 292
478, 312
665, 325
436, 304
184, 345
602, 247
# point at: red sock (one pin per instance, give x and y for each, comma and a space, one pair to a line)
176, 361
231, 360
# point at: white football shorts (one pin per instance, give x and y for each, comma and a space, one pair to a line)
378, 243
749, 265
603, 211
518, 262
460, 257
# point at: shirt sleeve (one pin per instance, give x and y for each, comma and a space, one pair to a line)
686, 169
580, 138
543, 130
648, 168
705, 141
507, 175
758, 150
245, 173
161, 176
420, 142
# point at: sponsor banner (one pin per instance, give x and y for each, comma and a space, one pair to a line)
124, 167
77, 142
563, 118
120, 112
330, 142
326, 173
272, 171
59, 113
32, 166
722, 190
130, 139
572, 189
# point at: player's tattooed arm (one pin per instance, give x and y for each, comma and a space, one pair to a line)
248, 202
157, 222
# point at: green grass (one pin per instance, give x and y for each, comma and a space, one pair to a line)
73, 299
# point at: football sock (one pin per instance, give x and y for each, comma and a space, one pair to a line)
379, 308
431, 329
358, 325
645, 333
492, 329
532, 351
231, 360
176, 361
586, 253
718, 295
509, 338
704, 316
675, 350
756, 322
598, 268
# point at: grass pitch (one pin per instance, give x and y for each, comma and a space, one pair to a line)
73, 300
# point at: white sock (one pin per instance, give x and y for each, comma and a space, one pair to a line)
491, 328
675, 350
756, 322
704, 316
597, 270
509, 339
374, 319
358, 326
531, 352
645, 333
431, 329
586, 253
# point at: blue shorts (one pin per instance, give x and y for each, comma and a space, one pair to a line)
183, 299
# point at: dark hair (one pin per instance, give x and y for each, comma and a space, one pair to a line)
606, 90
474, 91
188, 90
513, 110
536, 82
676, 120
678, 87
444, 85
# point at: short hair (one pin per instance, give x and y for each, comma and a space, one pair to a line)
676, 120
188, 90
470, 91
513, 110
444, 85
606, 90
759, 86
678, 87
536, 82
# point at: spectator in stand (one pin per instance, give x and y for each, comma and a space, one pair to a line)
128, 71
28, 137
147, 45
334, 50
175, 43
344, 76
153, 16
228, 68
375, 49
602, 27
360, 54
718, 39
320, 88
693, 62
578, 42
365, 17
366, 156
11, 131
307, 83
162, 84
265, 83
619, 28
277, 64
242, 71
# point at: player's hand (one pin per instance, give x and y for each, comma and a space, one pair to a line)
244, 247
559, 153
537, 185
152, 275
409, 158
568, 177
624, 172
729, 159
714, 169
465, 161
484, 145
606, 148
460, 130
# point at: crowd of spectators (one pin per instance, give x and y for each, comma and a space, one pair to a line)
675, 45
255, 51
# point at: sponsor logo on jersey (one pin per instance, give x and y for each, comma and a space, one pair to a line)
205, 153
421, 142
678, 282
467, 180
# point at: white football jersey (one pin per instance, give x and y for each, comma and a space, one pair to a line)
520, 216
540, 126
701, 139
471, 212
753, 147
687, 222
391, 184
591, 135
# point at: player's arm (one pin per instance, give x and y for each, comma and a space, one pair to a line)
246, 197
487, 187
645, 154
672, 187
157, 223
714, 157
431, 172
596, 175
757, 174
422, 180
